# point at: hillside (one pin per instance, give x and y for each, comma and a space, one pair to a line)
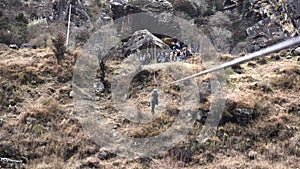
93, 110
39, 124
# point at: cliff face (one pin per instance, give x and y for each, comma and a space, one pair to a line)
238, 25
249, 24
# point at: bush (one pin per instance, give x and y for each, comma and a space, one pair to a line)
221, 38
13, 30
220, 20
82, 36
59, 47
186, 7
21, 19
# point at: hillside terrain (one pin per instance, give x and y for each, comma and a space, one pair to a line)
259, 128
41, 119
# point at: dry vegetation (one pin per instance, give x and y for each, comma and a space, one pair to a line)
41, 129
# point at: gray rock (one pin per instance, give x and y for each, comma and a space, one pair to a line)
105, 155
289, 57
13, 46
204, 89
80, 16
199, 116
141, 39
97, 98
297, 51
26, 45
3, 46
1, 122
10, 163
72, 94
12, 108
115, 127
105, 17
252, 155
90, 162
294, 11
243, 115
99, 87
121, 8
31, 120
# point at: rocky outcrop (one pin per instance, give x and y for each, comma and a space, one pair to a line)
278, 22
122, 8
259, 23
141, 40
79, 14
10, 163
57, 10
293, 7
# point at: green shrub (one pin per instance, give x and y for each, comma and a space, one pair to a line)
21, 18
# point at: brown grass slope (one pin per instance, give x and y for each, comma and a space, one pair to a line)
41, 129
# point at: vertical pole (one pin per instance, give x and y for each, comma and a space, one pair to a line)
155, 63
68, 30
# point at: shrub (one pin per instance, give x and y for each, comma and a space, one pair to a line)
186, 7
13, 29
221, 38
82, 36
21, 18
59, 46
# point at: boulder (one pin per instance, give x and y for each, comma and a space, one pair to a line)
297, 51
105, 17
294, 12
10, 163
252, 155
3, 46
28, 45
72, 94
99, 87
31, 120
106, 155
140, 40
243, 115
13, 46
90, 162
264, 33
80, 15
238, 69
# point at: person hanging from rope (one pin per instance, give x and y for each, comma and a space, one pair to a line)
154, 100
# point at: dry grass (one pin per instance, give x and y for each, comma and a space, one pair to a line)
56, 139
43, 108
